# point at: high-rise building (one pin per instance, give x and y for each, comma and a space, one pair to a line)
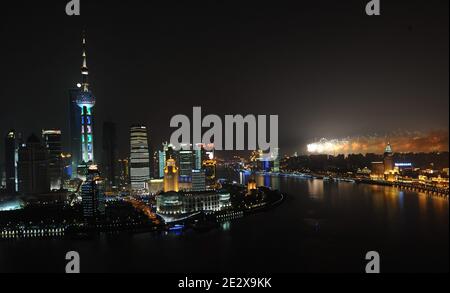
93, 195
186, 163
198, 180
53, 143
123, 168
167, 152
199, 154
161, 163
154, 173
109, 153
139, 158
32, 167
11, 148
170, 176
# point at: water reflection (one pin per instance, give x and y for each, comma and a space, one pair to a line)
385, 204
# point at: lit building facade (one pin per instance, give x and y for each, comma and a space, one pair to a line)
139, 158
171, 176
199, 155
251, 186
53, 143
388, 159
210, 171
93, 195
186, 163
178, 203
161, 163
198, 180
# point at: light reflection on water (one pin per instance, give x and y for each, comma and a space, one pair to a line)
385, 201
322, 226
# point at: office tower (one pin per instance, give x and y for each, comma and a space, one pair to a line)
139, 158
32, 167
388, 158
11, 146
167, 152
155, 165
198, 180
93, 195
199, 154
124, 173
161, 163
170, 176
210, 171
109, 154
52, 142
186, 164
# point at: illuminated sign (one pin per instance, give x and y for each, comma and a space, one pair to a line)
403, 164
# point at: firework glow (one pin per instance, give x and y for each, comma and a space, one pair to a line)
403, 142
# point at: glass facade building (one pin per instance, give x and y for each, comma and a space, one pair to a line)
139, 158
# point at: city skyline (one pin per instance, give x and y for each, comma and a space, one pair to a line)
181, 65
224, 138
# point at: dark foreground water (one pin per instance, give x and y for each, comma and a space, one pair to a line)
322, 227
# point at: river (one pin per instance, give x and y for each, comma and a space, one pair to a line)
323, 226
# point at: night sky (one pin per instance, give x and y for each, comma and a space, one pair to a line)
324, 67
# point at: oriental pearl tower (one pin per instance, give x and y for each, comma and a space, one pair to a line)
86, 101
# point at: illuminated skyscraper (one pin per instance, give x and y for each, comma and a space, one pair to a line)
170, 176
139, 158
186, 163
161, 163
198, 180
52, 141
198, 156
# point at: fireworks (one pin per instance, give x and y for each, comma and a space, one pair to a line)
401, 142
